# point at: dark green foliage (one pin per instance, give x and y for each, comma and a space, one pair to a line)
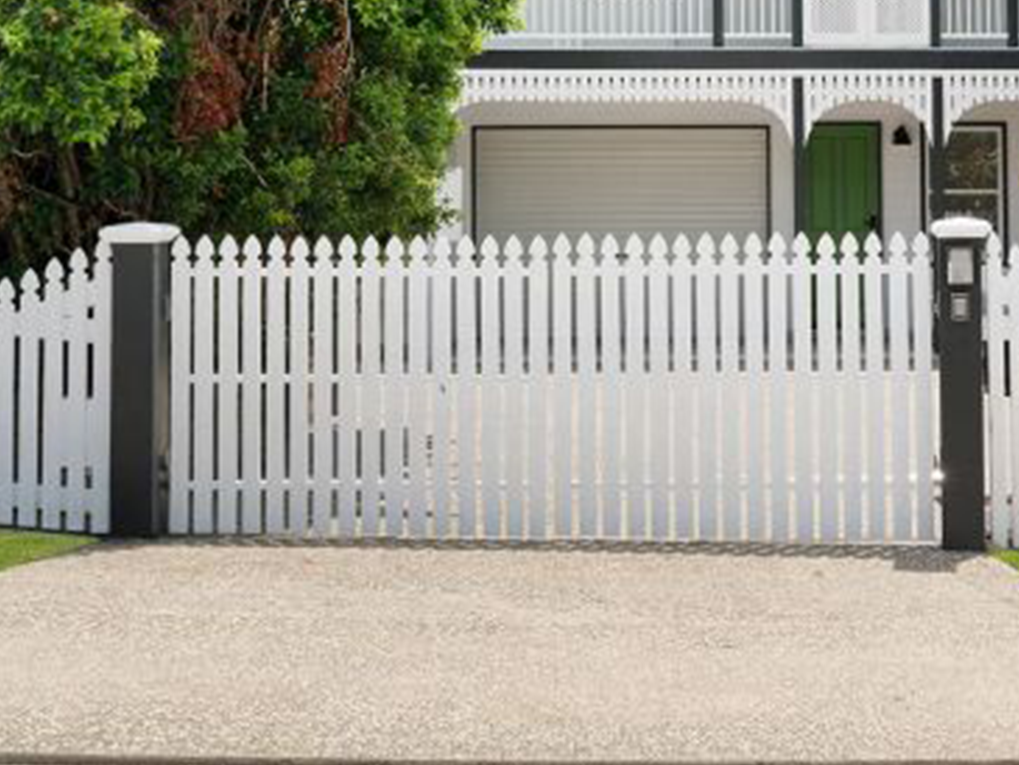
242, 116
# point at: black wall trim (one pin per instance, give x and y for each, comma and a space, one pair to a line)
745, 58
769, 171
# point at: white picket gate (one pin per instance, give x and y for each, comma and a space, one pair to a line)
54, 397
569, 392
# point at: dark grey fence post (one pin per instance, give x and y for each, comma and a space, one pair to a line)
140, 377
961, 246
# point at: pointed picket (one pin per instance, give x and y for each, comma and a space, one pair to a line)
684, 404
9, 324
780, 392
707, 522
298, 389
612, 381
277, 501
754, 323
803, 272
346, 340
852, 376
517, 425
829, 390
731, 410
899, 320
539, 413
252, 431
444, 389
586, 274
323, 361
419, 436
75, 423
636, 392
53, 436
659, 384
874, 275
467, 399
923, 376
369, 384
562, 383
492, 383
394, 380
1000, 302
203, 432
229, 347
30, 339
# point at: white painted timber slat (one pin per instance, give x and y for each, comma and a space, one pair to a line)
99, 407
466, 402
731, 409
516, 421
323, 374
683, 415
636, 393
755, 376
902, 505
852, 389
829, 390
538, 410
346, 342
204, 426
299, 388
612, 377
562, 383
369, 387
493, 427
54, 439
443, 387
9, 322
779, 430
707, 520
27, 410
251, 434
874, 269
395, 380
418, 398
803, 271
275, 444
229, 344
1000, 301
659, 387
587, 390
76, 423
922, 302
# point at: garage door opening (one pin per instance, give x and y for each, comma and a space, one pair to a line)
619, 180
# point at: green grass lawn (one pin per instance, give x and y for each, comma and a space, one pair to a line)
1011, 557
18, 547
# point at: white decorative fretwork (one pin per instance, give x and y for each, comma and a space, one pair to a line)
769, 90
824, 91
966, 90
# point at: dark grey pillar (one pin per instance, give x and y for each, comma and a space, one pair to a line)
799, 157
961, 244
935, 6
140, 378
718, 11
1013, 23
798, 23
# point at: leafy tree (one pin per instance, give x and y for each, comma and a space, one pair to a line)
245, 116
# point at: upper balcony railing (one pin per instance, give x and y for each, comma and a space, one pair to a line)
756, 23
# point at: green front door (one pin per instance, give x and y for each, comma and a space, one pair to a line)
844, 181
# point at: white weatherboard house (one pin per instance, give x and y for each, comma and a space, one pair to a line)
740, 116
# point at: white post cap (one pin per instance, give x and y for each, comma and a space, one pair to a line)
139, 233
961, 228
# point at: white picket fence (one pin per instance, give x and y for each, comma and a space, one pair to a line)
1002, 409
54, 397
659, 391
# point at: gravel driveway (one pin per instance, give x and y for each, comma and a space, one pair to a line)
698, 653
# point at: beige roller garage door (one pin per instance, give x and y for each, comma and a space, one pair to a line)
620, 181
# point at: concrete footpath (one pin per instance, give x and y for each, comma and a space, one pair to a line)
684, 654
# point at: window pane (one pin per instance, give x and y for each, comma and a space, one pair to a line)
984, 206
973, 159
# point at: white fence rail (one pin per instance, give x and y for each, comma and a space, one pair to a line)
54, 397
554, 392
1002, 407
